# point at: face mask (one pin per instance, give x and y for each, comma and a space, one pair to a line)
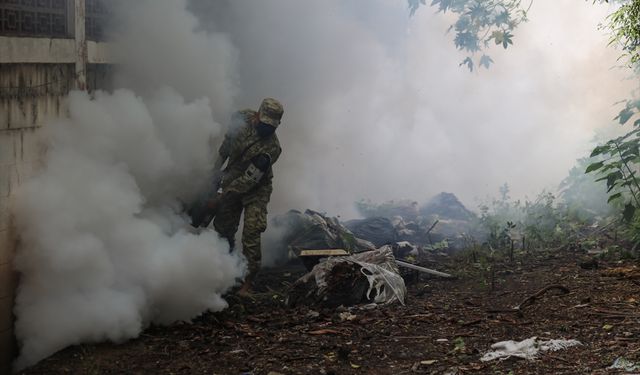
264, 130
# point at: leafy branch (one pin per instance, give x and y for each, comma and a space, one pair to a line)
480, 23
620, 156
624, 25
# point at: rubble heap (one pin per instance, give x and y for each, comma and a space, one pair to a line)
315, 230
367, 277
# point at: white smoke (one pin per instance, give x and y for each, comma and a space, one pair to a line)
377, 107
105, 248
158, 44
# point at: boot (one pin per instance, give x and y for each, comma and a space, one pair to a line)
246, 290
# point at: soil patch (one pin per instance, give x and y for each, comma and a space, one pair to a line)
445, 327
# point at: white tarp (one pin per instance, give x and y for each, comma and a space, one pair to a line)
380, 269
526, 349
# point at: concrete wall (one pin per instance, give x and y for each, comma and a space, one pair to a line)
30, 96
36, 75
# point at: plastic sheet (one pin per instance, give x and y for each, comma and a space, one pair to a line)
526, 349
378, 267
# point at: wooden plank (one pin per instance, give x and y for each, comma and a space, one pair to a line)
323, 252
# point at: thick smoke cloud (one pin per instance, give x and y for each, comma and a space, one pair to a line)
158, 45
377, 107
105, 248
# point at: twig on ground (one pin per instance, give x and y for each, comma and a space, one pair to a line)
620, 314
500, 311
559, 359
532, 298
302, 358
471, 323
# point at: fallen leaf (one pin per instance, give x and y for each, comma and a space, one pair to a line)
347, 316
353, 365
428, 362
330, 356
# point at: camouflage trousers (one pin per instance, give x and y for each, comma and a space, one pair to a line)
227, 221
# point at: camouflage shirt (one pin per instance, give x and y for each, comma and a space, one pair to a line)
241, 144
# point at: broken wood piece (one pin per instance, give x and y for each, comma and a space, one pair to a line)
616, 313
422, 269
311, 257
341, 252
325, 331
501, 311
323, 252
433, 226
532, 298
473, 322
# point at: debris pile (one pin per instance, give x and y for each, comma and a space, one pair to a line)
378, 230
359, 259
315, 230
368, 277
407, 209
443, 218
447, 206
403, 226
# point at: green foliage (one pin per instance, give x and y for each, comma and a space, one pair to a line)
624, 25
459, 345
479, 23
502, 221
618, 168
415, 4
582, 198
442, 245
620, 157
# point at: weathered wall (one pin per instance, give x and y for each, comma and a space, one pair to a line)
39, 64
30, 96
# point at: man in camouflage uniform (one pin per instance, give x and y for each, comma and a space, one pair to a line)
250, 149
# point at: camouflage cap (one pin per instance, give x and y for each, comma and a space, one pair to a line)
270, 112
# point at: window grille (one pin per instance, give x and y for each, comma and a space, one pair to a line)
96, 16
47, 18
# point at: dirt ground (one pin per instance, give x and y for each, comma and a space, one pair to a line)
445, 327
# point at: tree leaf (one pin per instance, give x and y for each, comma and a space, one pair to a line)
486, 61
594, 167
414, 5
612, 179
629, 212
443, 5
468, 62
467, 41
502, 18
624, 116
507, 39
600, 150
614, 197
